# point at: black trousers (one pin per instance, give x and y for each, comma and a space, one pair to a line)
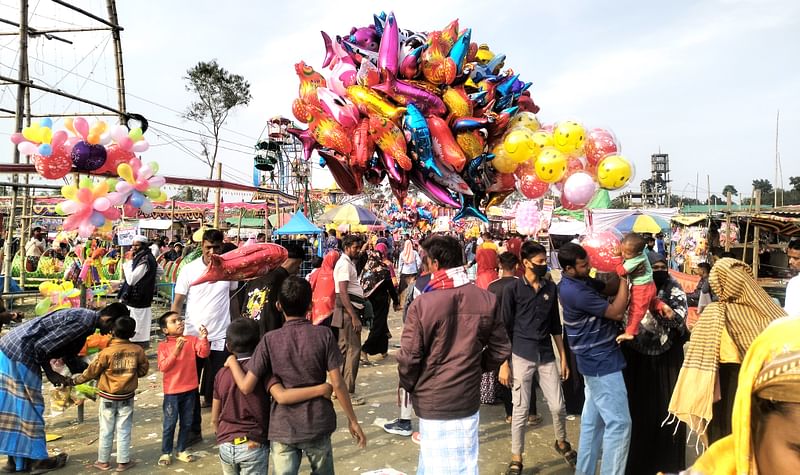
207, 369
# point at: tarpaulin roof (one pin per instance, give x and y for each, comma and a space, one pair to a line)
299, 224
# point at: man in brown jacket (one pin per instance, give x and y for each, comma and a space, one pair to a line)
451, 335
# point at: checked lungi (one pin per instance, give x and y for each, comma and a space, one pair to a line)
449, 446
21, 411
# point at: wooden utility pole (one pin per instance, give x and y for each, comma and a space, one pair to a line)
19, 112
218, 197
115, 29
172, 220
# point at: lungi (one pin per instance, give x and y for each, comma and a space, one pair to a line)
21, 411
449, 446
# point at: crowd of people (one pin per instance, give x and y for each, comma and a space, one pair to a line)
483, 320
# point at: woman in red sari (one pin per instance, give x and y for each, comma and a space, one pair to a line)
323, 290
487, 267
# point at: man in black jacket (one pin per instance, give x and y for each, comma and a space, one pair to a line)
141, 275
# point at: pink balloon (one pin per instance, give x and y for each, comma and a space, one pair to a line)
102, 204
157, 181
126, 143
84, 195
27, 148
603, 250
118, 133
141, 146
142, 185
124, 187
599, 143
579, 189
17, 138
59, 137
81, 127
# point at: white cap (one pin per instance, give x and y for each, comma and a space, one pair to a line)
140, 238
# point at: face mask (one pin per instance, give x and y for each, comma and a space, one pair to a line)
660, 277
540, 270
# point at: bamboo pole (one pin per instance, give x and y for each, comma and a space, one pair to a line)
172, 220
115, 29
23, 68
756, 237
728, 223
26, 222
218, 197
239, 227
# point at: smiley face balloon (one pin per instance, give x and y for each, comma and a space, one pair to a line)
524, 119
551, 165
518, 145
568, 137
614, 172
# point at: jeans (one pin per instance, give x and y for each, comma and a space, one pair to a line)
286, 457
177, 407
245, 459
605, 426
115, 416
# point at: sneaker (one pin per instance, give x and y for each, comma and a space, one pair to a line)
416, 437
399, 427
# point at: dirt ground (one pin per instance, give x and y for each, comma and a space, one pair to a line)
377, 384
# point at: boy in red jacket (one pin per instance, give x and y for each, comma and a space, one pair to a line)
177, 359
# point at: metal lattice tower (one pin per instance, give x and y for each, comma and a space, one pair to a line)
279, 161
656, 190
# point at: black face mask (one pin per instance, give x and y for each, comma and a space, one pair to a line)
660, 277
540, 270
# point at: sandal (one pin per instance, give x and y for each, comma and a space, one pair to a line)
50, 464
569, 455
535, 420
514, 468
121, 467
508, 419
165, 460
185, 457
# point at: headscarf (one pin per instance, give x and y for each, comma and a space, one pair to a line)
770, 370
487, 267
745, 310
374, 273
407, 256
323, 288
383, 249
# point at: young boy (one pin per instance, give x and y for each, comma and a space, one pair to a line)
300, 355
117, 369
177, 359
643, 291
241, 421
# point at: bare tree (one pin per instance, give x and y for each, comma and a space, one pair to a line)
217, 92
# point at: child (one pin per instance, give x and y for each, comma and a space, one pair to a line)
300, 355
240, 419
316, 264
117, 369
643, 291
177, 359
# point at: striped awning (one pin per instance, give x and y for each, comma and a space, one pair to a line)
780, 224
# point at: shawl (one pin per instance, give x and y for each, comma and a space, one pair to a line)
323, 289
374, 273
745, 310
770, 370
447, 279
487, 267
407, 256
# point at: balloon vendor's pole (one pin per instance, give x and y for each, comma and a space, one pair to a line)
756, 237
218, 197
239, 227
728, 223
172, 220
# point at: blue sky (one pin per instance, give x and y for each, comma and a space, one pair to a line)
699, 80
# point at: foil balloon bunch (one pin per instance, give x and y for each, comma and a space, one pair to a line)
85, 147
416, 108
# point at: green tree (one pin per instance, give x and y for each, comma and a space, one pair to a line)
795, 182
216, 92
730, 189
764, 185
187, 193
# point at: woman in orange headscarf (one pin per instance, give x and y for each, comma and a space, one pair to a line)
487, 267
323, 289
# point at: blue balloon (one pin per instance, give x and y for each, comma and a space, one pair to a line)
136, 200
45, 150
97, 219
46, 122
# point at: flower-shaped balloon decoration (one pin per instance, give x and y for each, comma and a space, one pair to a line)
139, 187
89, 206
125, 144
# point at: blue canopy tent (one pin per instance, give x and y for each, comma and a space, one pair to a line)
299, 224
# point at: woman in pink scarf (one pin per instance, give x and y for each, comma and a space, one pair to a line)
323, 289
487, 267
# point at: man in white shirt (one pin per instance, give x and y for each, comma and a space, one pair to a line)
347, 314
792, 303
36, 246
208, 304
141, 274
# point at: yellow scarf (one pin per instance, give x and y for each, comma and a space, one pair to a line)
744, 309
770, 370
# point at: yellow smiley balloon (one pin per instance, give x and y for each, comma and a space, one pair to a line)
551, 165
568, 137
614, 172
518, 145
525, 119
